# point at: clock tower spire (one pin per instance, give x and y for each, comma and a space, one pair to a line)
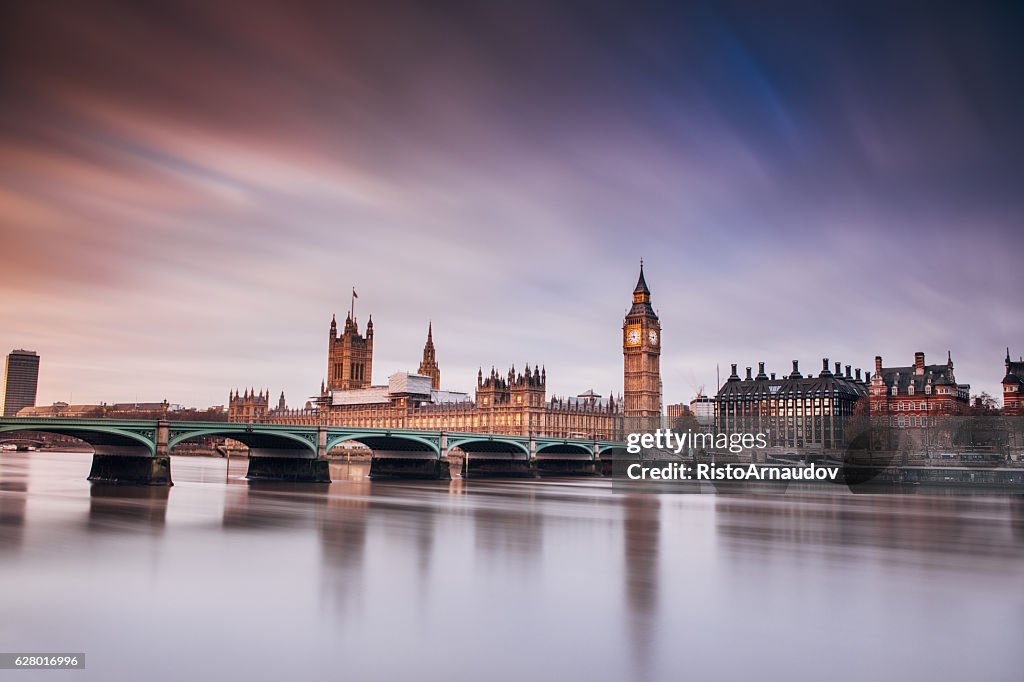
641, 352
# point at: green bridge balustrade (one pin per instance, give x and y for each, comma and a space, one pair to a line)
138, 450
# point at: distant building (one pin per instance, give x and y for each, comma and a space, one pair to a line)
136, 410
641, 356
62, 409
910, 395
349, 356
1013, 387
428, 365
21, 379
676, 410
795, 411
703, 409
515, 403
249, 406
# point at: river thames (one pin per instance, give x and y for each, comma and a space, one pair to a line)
550, 579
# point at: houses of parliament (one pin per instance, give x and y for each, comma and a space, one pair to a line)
511, 403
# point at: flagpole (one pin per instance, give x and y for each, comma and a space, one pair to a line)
352, 313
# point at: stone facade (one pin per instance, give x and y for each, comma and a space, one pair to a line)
512, 403
350, 355
1013, 387
641, 353
909, 395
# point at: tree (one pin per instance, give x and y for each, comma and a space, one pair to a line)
983, 405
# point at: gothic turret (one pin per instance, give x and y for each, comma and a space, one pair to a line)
428, 365
641, 351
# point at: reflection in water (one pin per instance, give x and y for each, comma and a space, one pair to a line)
507, 580
506, 533
13, 495
1017, 516
126, 508
343, 532
641, 530
961, 528
272, 504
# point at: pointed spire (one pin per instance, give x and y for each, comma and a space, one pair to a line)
430, 331
641, 283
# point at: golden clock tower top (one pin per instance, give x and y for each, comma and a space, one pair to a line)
641, 351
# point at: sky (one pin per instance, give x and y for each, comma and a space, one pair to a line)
189, 191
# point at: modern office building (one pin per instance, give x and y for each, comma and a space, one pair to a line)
21, 378
795, 411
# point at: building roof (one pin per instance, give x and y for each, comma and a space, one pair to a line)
642, 298
903, 377
361, 396
641, 283
794, 385
1014, 370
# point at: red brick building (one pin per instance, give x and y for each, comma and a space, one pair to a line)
909, 395
1013, 387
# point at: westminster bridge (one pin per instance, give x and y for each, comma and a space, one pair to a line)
139, 450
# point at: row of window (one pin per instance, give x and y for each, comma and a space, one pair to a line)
915, 406
903, 422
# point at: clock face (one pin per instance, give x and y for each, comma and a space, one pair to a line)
633, 337
653, 336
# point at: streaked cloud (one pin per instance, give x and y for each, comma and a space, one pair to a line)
188, 192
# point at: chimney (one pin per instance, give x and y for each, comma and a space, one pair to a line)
773, 376
857, 374
848, 372
748, 374
839, 370
878, 364
796, 370
867, 377
760, 371
918, 362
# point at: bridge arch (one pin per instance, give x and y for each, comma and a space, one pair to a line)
108, 438
261, 441
387, 442
483, 447
565, 450
397, 455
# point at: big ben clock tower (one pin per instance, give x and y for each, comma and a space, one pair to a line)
641, 354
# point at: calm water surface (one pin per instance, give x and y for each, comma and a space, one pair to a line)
217, 578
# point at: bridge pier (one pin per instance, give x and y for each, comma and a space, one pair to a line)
566, 467
492, 467
133, 464
131, 469
293, 469
384, 468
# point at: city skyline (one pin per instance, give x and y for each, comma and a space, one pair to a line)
190, 193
